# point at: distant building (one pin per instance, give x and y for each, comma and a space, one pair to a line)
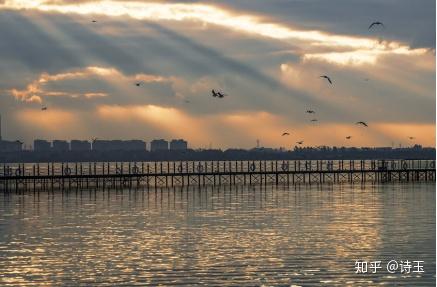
60, 145
106, 145
179, 144
78, 145
157, 145
41, 145
8, 146
134, 145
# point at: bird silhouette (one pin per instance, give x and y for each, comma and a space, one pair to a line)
326, 77
361, 123
411, 138
310, 112
214, 94
299, 142
376, 23
285, 134
44, 109
137, 84
348, 137
94, 21
221, 95
18, 141
314, 120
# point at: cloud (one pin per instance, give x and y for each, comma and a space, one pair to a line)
42, 87
229, 19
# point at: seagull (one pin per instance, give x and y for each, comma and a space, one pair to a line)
348, 137
411, 138
285, 134
221, 95
310, 112
328, 78
361, 123
300, 142
314, 120
44, 109
375, 24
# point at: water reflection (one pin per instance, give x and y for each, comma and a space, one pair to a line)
232, 235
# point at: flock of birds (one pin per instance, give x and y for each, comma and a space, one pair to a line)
221, 95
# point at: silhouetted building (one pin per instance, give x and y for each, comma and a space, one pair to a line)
105, 145
134, 145
179, 144
60, 145
41, 145
6, 146
78, 145
160, 144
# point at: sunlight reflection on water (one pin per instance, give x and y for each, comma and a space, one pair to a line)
272, 236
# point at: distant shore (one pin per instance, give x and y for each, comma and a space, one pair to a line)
308, 153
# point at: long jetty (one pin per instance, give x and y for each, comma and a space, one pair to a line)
50, 176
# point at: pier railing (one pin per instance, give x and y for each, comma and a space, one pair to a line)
196, 167
214, 172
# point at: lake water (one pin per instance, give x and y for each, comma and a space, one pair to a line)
254, 236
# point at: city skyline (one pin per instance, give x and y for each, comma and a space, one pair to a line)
71, 71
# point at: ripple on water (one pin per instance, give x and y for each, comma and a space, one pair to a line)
262, 236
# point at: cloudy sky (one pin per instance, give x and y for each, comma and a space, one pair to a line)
82, 58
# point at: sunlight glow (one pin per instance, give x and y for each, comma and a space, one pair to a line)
209, 14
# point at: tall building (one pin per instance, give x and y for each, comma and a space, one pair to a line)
134, 145
41, 145
7, 146
157, 145
179, 144
60, 145
78, 145
130, 145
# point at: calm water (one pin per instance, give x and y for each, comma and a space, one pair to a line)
237, 236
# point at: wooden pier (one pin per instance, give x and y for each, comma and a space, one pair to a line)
51, 176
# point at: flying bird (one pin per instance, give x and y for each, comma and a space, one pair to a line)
300, 142
361, 123
221, 95
411, 138
285, 134
326, 77
314, 120
377, 23
44, 109
94, 21
137, 84
310, 112
348, 137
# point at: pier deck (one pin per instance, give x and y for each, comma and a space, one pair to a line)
186, 173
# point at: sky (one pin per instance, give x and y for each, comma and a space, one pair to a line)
82, 59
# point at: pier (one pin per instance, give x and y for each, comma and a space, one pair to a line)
51, 176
